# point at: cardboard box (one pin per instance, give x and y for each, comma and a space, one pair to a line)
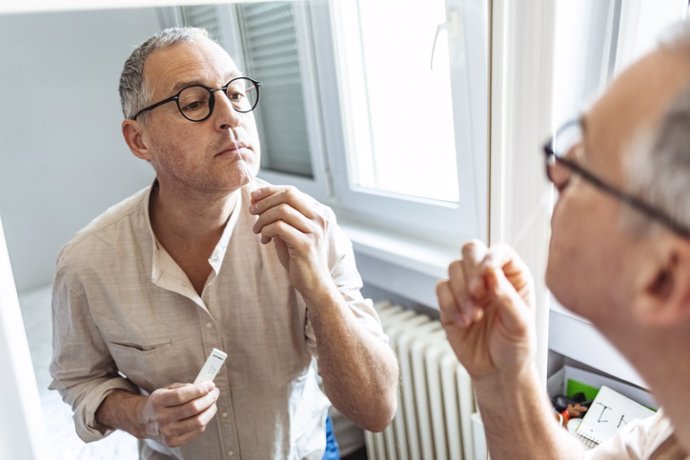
558, 383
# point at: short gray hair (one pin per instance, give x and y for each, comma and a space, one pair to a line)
134, 92
659, 171
659, 167
677, 38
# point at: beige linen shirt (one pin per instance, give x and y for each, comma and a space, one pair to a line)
651, 438
125, 316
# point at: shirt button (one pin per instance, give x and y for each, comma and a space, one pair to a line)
231, 453
224, 415
209, 325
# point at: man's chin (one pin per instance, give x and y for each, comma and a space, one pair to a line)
550, 274
557, 283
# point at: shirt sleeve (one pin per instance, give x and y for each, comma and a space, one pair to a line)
637, 440
341, 262
82, 369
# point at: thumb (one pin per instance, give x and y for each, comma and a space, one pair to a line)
512, 309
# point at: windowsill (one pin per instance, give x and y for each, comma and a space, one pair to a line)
398, 263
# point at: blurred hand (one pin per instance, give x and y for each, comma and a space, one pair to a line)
487, 307
297, 225
176, 414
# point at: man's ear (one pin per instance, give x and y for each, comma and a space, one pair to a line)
663, 294
133, 132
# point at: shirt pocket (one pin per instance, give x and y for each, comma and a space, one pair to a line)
142, 361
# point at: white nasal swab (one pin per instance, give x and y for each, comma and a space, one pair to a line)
542, 207
245, 168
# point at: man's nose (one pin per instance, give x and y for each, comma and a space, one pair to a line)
225, 114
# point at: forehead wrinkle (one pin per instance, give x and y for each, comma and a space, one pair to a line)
186, 65
186, 83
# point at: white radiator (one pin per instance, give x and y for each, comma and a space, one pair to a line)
435, 401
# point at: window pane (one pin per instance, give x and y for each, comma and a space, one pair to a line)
399, 104
271, 56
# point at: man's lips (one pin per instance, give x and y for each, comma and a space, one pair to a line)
232, 149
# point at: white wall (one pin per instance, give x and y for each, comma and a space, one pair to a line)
62, 157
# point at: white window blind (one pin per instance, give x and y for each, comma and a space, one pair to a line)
204, 16
271, 56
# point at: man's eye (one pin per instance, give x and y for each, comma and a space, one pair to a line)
236, 95
194, 105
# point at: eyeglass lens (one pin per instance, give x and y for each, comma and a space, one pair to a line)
562, 143
566, 138
195, 101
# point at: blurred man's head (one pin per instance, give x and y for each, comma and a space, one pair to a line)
617, 264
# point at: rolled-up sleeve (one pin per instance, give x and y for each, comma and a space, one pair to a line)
82, 368
343, 270
651, 437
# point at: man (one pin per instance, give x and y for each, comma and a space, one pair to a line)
209, 256
619, 255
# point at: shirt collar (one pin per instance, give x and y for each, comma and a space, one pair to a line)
161, 262
218, 254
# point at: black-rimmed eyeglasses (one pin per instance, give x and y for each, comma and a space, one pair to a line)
196, 102
559, 168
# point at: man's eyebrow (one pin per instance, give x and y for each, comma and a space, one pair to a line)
232, 75
183, 84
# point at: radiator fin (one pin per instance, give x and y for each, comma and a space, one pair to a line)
435, 401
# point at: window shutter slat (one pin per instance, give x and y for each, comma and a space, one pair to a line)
272, 57
204, 16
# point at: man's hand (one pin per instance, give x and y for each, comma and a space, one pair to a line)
178, 413
486, 310
297, 224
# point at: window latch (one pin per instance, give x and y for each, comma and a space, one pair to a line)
450, 26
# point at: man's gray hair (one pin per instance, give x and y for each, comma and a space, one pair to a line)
659, 172
134, 92
677, 38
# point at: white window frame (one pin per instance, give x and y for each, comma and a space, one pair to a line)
522, 36
428, 220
